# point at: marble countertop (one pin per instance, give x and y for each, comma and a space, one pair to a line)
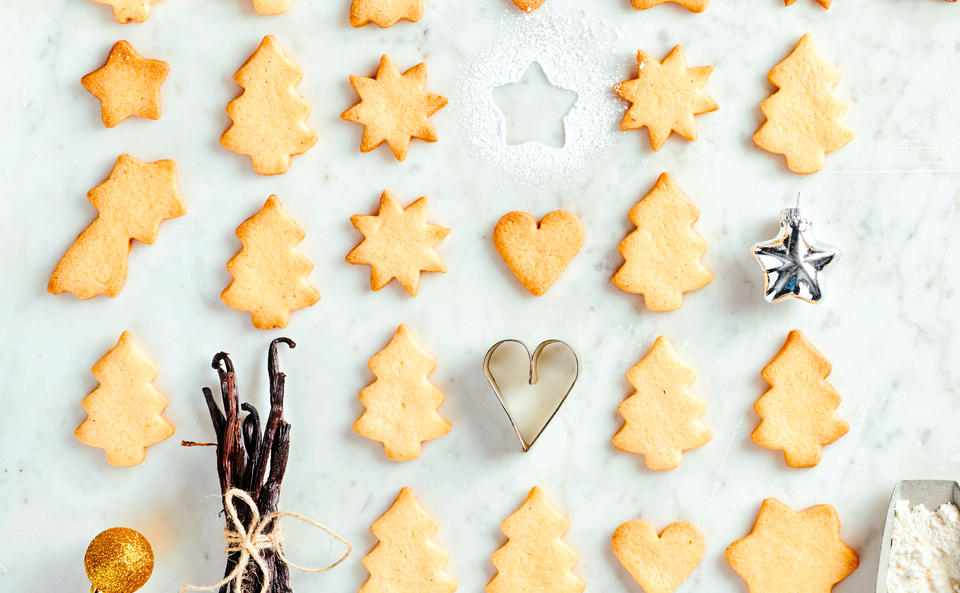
888, 324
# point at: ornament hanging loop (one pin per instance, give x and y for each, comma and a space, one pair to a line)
795, 217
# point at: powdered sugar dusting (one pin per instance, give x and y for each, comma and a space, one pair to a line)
576, 53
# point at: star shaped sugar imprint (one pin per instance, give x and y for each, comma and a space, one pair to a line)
394, 107
792, 261
665, 96
398, 243
127, 85
534, 109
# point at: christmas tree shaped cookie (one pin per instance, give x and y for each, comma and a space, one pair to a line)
269, 274
385, 13
662, 417
125, 11
401, 405
803, 116
535, 559
132, 203
124, 412
798, 410
398, 243
269, 117
394, 108
405, 560
665, 96
662, 256
792, 552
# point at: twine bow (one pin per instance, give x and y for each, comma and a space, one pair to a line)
253, 540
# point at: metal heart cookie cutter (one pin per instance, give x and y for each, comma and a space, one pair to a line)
535, 393
931, 494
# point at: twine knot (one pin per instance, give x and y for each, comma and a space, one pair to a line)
252, 541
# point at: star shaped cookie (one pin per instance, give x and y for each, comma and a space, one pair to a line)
398, 243
127, 85
394, 107
665, 96
132, 203
129, 10
385, 13
791, 551
691, 5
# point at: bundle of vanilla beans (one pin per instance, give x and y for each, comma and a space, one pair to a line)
252, 459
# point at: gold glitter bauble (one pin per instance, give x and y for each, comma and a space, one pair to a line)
119, 560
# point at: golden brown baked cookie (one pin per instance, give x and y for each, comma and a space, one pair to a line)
691, 5
798, 411
665, 96
269, 7
538, 253
659, 563
125, 11
127, 85
269, 274
528, 5
823, 3
535, 559
406, 560
385, 13
790, 551
662, 256
398, 243
394, 108
132, 202
401, 405
803, 116
269, 117
124, 413
662, 417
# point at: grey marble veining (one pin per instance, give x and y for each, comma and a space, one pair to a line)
889, 201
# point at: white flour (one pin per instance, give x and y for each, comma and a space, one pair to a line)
925, 552
576, 53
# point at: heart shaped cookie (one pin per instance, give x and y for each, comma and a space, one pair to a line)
528, 5
537, 254
531, 387
659, 563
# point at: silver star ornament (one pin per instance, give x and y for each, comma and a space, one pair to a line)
792, 261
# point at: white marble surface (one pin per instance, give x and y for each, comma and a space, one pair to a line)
888, 200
